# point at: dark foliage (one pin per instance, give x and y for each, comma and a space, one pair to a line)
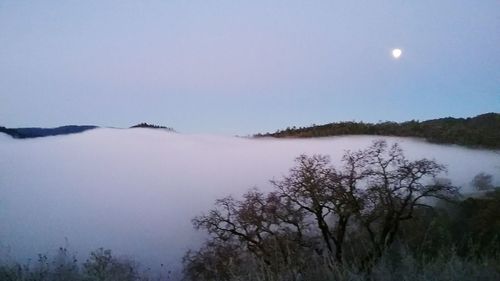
456, 240
151, 126
482, 182
481, 131
100, 266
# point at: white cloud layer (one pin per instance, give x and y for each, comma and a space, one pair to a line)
135, 191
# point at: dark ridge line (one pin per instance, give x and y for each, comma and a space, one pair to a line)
480, 131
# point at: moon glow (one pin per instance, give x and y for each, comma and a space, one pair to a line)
396, 53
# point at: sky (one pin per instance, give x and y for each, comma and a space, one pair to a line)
243, 67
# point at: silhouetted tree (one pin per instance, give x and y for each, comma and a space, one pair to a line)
316, 188
369, 195
482, 182
102, 266
254, 222
215, 260
395, 186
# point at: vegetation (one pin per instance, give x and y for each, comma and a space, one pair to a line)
24, 133
373, 218
482, 182
101, 265
482, 130
151, 126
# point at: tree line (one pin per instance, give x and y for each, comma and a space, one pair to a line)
152, 126
481, 131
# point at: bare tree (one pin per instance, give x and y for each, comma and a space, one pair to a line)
102, 266
482, 181
394, 187
315, 187
375, 188
216, 260
372, 192
265, 224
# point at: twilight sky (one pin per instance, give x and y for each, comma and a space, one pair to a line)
241, 67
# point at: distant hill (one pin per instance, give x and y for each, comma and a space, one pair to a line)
480, 131
151, 126
35, 132
24, 133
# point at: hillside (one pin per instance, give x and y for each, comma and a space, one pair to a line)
479, 131
36, 132
24, 133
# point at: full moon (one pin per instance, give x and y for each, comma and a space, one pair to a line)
396, 53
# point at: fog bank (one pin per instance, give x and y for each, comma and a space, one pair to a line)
135, 190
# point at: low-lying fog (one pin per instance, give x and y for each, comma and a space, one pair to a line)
135, 190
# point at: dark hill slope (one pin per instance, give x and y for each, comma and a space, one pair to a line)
480, 131
23, 133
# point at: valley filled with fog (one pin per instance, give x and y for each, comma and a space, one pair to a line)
135, 191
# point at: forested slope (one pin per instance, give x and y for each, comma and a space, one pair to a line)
481, 131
